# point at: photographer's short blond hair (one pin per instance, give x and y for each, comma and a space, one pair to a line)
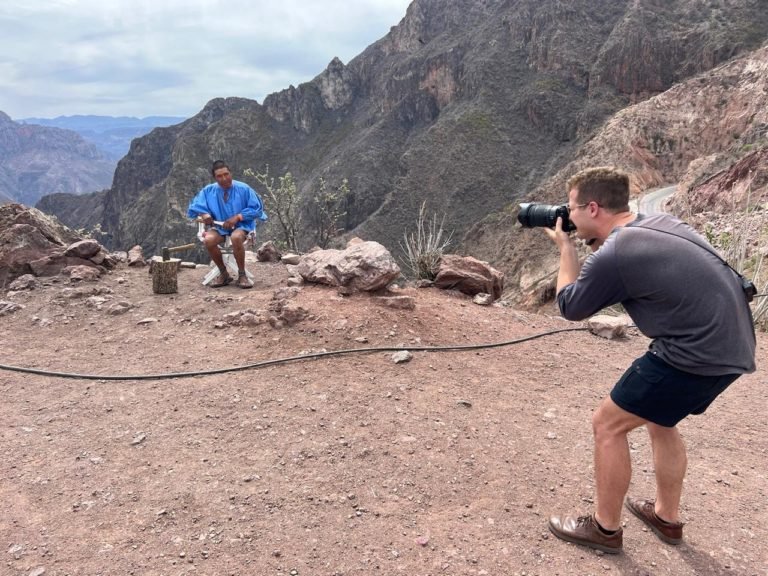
607, 186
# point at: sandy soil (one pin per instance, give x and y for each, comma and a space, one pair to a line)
449, 464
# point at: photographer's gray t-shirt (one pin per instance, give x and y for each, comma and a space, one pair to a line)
676, 291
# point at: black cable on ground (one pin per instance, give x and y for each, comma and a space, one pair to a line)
265, 363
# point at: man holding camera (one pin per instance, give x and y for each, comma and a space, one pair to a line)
683, 296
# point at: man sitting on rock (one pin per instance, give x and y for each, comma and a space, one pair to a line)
231, 208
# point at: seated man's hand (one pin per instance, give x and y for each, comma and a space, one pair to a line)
230, 223
206, 219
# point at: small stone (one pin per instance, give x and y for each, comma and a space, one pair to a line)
146, 321
401, 357
138, 439
483, 299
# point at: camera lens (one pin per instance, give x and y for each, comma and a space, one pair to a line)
534, 215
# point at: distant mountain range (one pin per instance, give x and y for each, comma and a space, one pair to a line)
111, 134
39, 160
65, 155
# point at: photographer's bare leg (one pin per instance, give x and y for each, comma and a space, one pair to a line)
670, 462
613, 467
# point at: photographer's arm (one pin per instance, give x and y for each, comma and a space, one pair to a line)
569, 258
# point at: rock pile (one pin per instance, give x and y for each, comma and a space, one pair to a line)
32, 243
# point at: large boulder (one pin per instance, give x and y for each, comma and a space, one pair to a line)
366, 266
469, 275
33, 243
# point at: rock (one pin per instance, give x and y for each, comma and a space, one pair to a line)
9, 307
609, 327
268, 252
144, 321
24, 282
138, 439
469, 275
483, 299
118, 308
294, 281
103, 258
84, 249
249, 319
291, 258
81, 273
292, 314
136, 256
366, 266
55, 263
402, 356
95, 302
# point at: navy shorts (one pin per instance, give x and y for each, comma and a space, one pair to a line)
664, 395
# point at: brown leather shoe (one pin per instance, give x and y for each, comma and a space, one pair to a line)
671, 533
585, 531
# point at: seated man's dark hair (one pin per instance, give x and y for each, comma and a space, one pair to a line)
218, 164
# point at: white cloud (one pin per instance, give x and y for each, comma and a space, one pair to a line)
149, 57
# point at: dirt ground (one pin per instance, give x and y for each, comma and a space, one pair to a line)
449, 464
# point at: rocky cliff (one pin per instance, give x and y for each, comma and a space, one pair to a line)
37, 160
709, 134
467, 105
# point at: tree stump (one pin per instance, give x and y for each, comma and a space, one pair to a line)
165, 275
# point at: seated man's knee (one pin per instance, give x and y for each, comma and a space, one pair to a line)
212, 239
238, 237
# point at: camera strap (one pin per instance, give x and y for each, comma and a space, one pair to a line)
750, 291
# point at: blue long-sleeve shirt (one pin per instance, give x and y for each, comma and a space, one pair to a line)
242, 199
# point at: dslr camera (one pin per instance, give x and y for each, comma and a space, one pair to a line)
533, 214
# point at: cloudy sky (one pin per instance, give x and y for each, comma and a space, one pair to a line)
169, 57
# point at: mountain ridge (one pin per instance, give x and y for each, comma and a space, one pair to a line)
111, 134
39, 160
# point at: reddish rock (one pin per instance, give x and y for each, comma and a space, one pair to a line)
469, 275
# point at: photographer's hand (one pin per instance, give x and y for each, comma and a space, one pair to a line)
569, 259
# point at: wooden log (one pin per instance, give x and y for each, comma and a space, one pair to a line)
165, 275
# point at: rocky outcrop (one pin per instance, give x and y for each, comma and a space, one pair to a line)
37, 160
32, 243
708, 133
82, 212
